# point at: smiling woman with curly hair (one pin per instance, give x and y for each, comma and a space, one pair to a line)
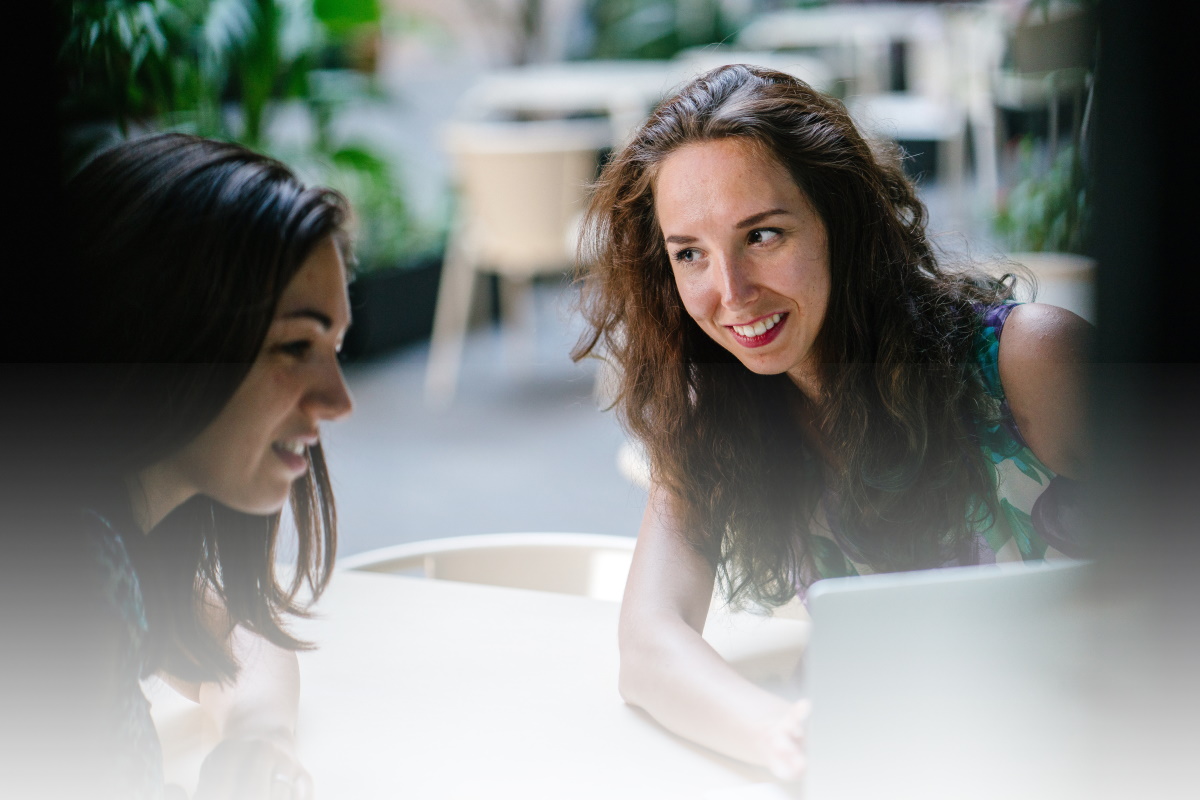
817, 395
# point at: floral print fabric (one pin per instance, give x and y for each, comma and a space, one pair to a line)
1038, 510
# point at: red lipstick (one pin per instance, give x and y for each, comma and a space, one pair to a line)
764, 338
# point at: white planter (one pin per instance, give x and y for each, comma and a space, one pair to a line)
1063, 279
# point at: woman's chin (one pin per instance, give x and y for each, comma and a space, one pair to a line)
264, 504
762, 366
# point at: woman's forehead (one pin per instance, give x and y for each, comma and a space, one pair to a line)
319, 284
726, 177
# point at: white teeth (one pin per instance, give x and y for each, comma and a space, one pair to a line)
296, 448
758, 328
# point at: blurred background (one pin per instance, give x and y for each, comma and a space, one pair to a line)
465, 132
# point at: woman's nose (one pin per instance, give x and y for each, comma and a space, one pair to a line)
330, 398
736, 285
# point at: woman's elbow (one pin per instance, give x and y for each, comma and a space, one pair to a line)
626, 685
635, 662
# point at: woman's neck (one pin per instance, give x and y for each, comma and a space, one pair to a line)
155, 492
804, 412
807, 378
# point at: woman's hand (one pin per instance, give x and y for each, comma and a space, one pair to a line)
253, 769
255, 718
785, 751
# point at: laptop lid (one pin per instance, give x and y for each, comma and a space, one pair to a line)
956, 683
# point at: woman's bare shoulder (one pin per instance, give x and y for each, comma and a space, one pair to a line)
1047, 333
1044, 353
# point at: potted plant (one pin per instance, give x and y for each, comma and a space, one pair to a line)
1042, 221
657, 28
394, 292
218, 68
1043, 216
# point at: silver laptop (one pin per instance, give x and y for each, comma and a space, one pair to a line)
963, 683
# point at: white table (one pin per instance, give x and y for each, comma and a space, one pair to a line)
856, 37
436, 689
623, 90
571, 87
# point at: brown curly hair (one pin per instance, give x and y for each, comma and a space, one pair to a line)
902, 399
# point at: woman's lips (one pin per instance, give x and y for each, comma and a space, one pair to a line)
296, 462
777, 321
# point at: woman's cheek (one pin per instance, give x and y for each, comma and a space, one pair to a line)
693, 297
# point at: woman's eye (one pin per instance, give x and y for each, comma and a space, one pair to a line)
296, 349
763, 235
685, 255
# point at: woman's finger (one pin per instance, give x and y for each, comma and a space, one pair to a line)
291, 781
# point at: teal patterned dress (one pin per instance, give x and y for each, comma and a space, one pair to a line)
1039, 511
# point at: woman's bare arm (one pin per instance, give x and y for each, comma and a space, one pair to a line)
668, 670
1044, 354
255, 718
263, 702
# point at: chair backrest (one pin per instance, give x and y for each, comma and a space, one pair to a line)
589, 565
583, 564
855, 39
522, 187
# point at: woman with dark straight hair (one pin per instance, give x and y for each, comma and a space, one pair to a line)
210, 300
817, 395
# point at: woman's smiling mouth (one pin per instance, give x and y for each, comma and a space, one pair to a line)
293, 453
761, 332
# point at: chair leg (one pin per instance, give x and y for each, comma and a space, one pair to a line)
449, 325
517, 307
987, 171
951, 158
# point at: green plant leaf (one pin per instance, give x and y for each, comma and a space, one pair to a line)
228, 27
124, 31
153, 32
298, 31
343, 16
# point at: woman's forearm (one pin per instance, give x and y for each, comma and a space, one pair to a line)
262, 703
668, 670
255, 716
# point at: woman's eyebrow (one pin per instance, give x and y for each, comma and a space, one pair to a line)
748, 222
323, 319
754, 219
680, 239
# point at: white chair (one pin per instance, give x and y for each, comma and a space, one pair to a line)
948, 56
522, 187
905, 117
928, 109
810, 69
855, 38
623, 90
584, 564
1051, 51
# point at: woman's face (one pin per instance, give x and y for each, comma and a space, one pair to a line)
749, 255
248, 457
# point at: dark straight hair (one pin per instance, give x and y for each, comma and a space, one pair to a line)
183, 247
